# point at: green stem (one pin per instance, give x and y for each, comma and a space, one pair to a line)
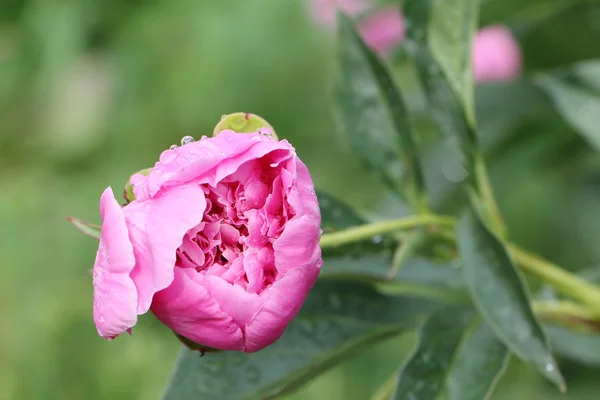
567, 313
367, 231
561, 280
486, 193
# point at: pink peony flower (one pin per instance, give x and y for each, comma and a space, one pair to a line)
383, 29
323, 11
496, 55
221, 243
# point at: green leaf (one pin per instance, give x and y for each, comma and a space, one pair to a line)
457, 355
85, 227
501, 295
444, 103
450, 30
478, 365
374, 117
336, 321
583, 347
575, 93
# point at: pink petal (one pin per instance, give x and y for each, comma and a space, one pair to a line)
383, 29
282, 303
301, 234
156, 228
208, 161
187, 307
115, 296
496, 55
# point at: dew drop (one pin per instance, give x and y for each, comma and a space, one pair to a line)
101, 319
549, 367
320, 231
186, 139
266, 132
377, 239
173, 147
167, 156
223, 117
204, 137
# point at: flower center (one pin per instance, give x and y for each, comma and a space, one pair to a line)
245, 213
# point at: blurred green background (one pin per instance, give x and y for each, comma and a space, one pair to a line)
91, 91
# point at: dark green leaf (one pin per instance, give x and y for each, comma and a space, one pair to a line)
578, 346
576, 96
480, 361
374, 117
336, 321
501, 295
85, 227
444, 103
451, 28
423, 375
457, 354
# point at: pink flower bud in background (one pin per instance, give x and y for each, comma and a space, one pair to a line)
221, 243
382, 29
496, 55
324, 11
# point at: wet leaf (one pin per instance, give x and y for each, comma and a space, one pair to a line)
575, 93
336, 321
444, 103
501, 296
374, 116
457, 355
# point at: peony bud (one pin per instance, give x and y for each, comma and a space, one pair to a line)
220, 242
496, 55
244, 123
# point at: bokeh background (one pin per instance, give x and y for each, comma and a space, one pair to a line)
92, 91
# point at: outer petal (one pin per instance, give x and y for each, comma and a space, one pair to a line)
282, 302
207, 161
301, 234
115, 296
156, 228
187, 307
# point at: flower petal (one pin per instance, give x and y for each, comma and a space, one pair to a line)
282, 302
115, 296
301, 234
187, 308
156, 228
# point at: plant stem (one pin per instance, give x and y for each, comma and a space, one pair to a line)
561, 280
488, 201
367, 231
567, 313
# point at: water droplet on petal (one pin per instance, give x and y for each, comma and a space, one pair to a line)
266, 132
173, 147
186, 139
320, 231
204, 137
167, 156
101, 319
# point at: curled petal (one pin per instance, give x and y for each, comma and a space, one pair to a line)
157, 227
115, 296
